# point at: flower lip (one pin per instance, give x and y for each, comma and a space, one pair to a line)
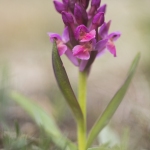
80, 52
82, 33
88, 36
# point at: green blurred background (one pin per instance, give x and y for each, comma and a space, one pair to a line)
25, 57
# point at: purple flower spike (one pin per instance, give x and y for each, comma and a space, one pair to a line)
98, 20
102, 9
83, 34
67, 18
86, 34
80, 14
59, 6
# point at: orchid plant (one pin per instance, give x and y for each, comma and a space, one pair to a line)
85, 37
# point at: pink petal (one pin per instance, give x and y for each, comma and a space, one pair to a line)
102, 8
88, 36
111, 47
72, 58
59, 6
100, 45
65, 35
103, 32
102, 52
80, 52
54, 36
114, 36
80, 29
62, 48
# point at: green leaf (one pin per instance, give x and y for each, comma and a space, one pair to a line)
99, 148
43, 120
113, 105
64, 84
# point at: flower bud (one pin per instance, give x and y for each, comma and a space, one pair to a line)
59, 6
66, 2
98, 19
95, 3
72, 5
67, 18
80, 14
102, 8
85, 3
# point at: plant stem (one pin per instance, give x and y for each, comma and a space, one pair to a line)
82, 101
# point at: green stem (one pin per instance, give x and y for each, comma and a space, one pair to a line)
82, 101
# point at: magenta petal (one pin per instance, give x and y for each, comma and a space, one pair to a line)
88, 36
59, 6
72, 58
100, 45
54, 36
67, 18
104, 29
98, 19
80, 52
65, 35
79, 29
114, 36
112, 49
100, 53
62, 48
80, 14
95, 3
102, 9
66, 2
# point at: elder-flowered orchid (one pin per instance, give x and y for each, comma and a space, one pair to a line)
86, 33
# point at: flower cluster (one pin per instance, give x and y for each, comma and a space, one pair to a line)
86, 33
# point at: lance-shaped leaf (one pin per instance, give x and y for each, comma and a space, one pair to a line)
113, 105
43, 120
64, 84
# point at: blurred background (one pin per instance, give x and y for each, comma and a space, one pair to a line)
25, 66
